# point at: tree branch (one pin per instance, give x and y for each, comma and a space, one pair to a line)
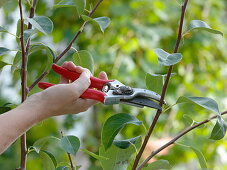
24, 87
24, 76
31, 15
67, 48
158, 113
176, 138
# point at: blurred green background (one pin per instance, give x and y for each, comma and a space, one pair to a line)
126, 52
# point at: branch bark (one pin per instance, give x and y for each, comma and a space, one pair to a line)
31, 15
158, 113
67, 48
23, 86
24, 76
176, 138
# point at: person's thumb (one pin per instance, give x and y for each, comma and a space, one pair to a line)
82, 83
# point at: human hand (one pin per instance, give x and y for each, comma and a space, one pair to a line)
64, 98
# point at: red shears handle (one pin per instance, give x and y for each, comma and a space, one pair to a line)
95, 82
88, 94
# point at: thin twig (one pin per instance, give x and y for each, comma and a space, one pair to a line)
31, 15
158, 113
176, 138
67, 48
38, 80
24, 87
69, 156
94, 9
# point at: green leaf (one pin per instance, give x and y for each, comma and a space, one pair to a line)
4, 109
78, 167
2, 64
2, 29
39, 144
219, 129
70, 144
154, 82
118, 159
103, 22
98, 157
42, 23
84, 58
199, 154
18, 33
204, 102
47, 160
62, 168
50, 54
201, 25
86, 18
192, 122
160, 164
79, 4
188, 119
51, 156
36, 47
4, 50
167, 59
16, 62
65, 3
114, 124
6, 104
50, 58
3, 2
202, 160
28, 34
124, 144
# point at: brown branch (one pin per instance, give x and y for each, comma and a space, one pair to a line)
24, 87
94, 9
67, 48
38, 80
176, 138
31, 15
24, 77
69, 156
32, 12
158, 113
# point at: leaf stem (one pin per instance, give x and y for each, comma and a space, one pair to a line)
169, 107
67, 48
158, 113
176, 138
69, 156
12, 34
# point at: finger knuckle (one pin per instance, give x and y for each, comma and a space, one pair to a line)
87, 81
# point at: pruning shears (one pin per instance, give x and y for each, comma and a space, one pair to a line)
110, 92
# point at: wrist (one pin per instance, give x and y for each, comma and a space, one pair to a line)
37, 107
